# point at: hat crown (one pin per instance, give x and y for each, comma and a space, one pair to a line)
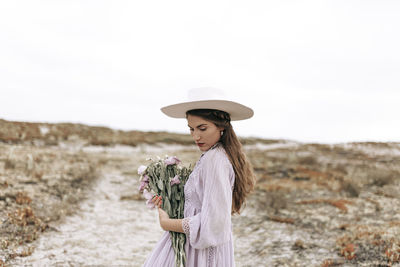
205, 93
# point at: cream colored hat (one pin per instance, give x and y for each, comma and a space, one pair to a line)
208, 98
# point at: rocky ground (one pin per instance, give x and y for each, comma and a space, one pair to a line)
314, 205
336, 205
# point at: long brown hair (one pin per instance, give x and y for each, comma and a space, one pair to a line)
244, 176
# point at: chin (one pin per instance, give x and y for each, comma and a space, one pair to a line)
203, 148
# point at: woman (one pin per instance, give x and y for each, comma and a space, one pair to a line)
215, 190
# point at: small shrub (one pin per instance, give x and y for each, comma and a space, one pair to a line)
340, 168
299, 245
382, 177
38, 175
22, 198
308, 160
272, 201
9, 164
351, 188
327, 263
348, 252
393, 253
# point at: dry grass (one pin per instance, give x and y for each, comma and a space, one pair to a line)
365, 242
53, 133
42, 186
281, 219
340, 204
328, 174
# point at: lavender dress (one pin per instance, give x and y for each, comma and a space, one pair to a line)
207, 222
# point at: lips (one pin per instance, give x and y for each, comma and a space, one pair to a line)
200, 144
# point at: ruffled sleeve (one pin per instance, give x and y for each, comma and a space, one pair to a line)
212, 225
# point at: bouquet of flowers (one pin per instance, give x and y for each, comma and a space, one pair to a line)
163, 177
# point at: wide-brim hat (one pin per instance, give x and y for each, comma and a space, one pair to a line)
208, 98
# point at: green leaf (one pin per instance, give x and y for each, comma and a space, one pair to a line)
160, 184
167, 206
168, 186
162, 175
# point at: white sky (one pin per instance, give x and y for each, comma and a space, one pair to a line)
314, 71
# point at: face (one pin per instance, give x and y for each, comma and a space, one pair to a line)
204, 133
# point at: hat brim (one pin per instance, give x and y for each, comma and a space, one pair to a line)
236, 111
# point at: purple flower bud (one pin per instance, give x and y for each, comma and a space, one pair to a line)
172, 160
142, 186
175, 180
147, 195
141, 169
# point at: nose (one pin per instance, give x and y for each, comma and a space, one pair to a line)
196, 136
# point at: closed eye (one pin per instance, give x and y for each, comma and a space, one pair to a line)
201, 129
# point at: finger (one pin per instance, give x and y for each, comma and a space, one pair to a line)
155, 199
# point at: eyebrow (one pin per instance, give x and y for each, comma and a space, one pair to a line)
204, 124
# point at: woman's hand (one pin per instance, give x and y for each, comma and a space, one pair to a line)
162, 215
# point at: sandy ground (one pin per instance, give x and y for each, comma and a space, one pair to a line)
315, 205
